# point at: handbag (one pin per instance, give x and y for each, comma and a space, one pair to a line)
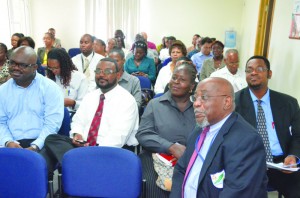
164, 167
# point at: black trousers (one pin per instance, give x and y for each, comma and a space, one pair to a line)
287, 184
25, 143
55, 147
152, 190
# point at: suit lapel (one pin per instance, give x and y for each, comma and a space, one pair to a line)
278, 112
247, 108
216, 144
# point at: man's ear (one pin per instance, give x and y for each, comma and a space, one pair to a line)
269, 74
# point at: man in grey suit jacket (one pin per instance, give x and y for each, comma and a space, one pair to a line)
282, 114
231, 162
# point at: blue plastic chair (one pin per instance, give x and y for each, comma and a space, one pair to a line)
101, 172
144, 82
65, 126
73, 52
23, 174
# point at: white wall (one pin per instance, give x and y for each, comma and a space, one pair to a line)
249, 19
158, 18
183, 19
284, 52
67, 17
4, 24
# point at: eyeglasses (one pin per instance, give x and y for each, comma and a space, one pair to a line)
257, 70
233, 64
105, 72
53, 68
203, 98
12, 63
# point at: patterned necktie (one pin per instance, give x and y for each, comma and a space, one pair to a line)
93, 132
262, 130
86, 67
194, 156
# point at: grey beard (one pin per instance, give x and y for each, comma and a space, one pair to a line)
204, 123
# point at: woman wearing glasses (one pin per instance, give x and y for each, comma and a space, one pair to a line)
73, 83
165, 126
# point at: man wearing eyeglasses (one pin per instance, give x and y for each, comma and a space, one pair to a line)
224, 156
107, 116
31, 106
282, 122
231, 72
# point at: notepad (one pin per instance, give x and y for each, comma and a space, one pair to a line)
280, 166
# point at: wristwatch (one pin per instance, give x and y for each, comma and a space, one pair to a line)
35, 148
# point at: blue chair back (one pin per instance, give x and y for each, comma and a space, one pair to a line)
23, 173
101, 172
66, 124
73, 52
144, 82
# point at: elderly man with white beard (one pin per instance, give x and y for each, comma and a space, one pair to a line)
225, 156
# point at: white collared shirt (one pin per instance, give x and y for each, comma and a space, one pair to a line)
191, 185
94, 59
238, 80
119, 122
77, 88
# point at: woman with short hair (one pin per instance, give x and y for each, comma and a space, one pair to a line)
165, 125
176, 51
140, 64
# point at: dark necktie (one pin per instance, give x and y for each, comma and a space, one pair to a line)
93, 132
194, 156
262, 130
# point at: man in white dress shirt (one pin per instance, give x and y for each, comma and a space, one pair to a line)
119, 121
87, 60
231, 72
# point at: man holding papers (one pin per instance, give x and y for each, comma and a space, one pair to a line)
281, 128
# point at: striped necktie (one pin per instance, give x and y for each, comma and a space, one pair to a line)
262, 130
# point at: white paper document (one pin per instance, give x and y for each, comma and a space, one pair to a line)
280, 166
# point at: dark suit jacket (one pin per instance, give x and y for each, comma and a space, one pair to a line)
239, 151
286, 115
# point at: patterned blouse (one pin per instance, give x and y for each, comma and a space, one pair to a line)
4, 74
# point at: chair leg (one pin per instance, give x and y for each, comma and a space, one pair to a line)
144, 188
51, 190
60, 185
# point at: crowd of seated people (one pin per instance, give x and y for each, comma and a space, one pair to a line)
100, 75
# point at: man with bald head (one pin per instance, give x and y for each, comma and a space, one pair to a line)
31, 106
225, 156
150, 44
87, 60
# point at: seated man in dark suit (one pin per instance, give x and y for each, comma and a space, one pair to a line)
228, 158
282, 123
